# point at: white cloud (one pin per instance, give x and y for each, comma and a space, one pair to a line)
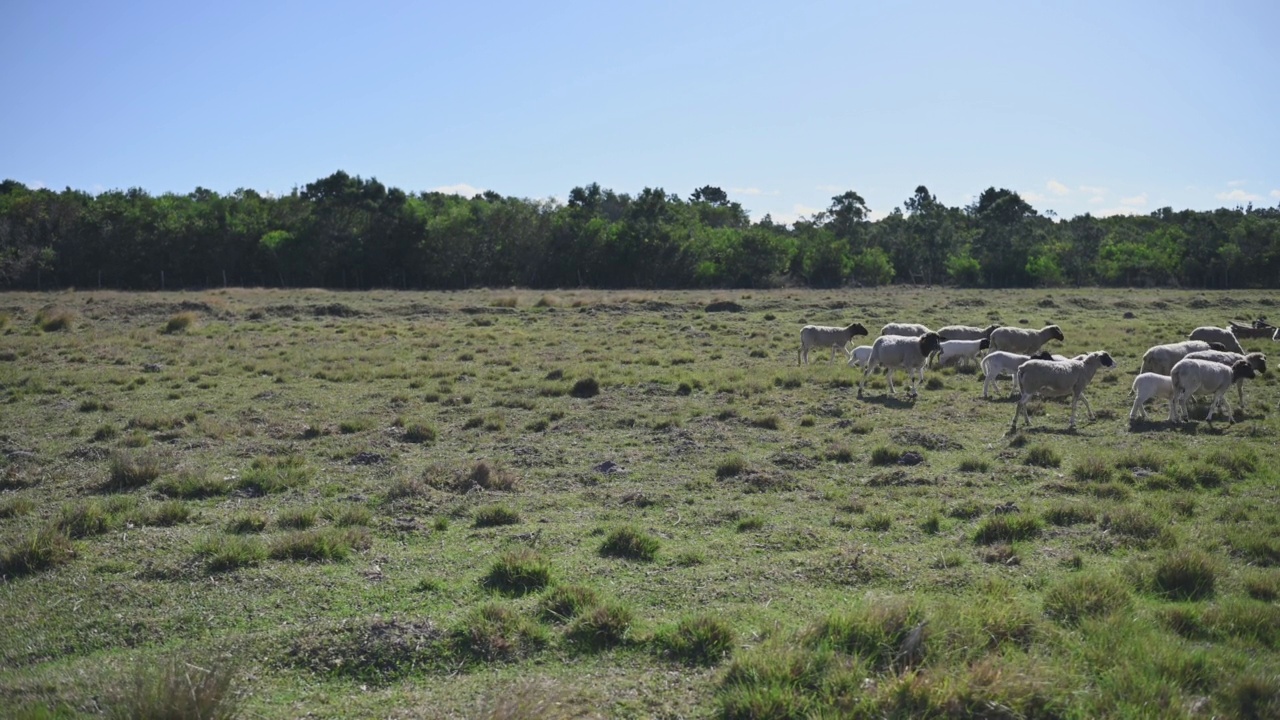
1033, 197
797, 211
1238, 195
462, 189
37, 185
1057, 188
1093, 190
1136, 201
1275, 194
1237, 183
752, 191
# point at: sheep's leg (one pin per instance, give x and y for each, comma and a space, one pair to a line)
910, 374
802, 355
1240, 392
1174, 403
1085, 398
1137, 410
888, 373
865, 372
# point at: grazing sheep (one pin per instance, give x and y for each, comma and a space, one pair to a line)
1256, 360
897, 351
1000, 363
1160, 359
1149, 386
1211, 334
859, 356
904, 330
961, 351
1058, 379
1191, 376
967, 332
1023, 341
822, 336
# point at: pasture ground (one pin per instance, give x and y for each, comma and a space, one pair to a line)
507, 504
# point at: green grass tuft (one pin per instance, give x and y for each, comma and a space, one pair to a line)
518, 572
698, 640
222, 553
297, 518
493, 632
493, 515
268, 475
1077, 597
36, 551
1042, 456
564, 602
180, 323
731, 466
1007, 529
131, 470
630, 543
247, 522
318, 545
176, 687
600, 627
1185, 575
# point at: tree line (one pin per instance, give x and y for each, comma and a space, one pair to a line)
344, 231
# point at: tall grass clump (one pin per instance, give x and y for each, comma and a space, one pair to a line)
176, 688
297, 518
1092, 469
1007, 529
600, 627
193, 486
164, 514
1239, 462
1066, 514
1185, 575
55, 320
565, 602
518, 572
881, 633
34, 552
268, 475
247, 522
886, 455
774, 682
495, 632
419, 432
630, 543
16, 506
1042, 456
1077, 597
180, 323
974, 464
731, 466
494, 515
318, 545
698, 640
223, 553
585, 388
131, 470
84, 518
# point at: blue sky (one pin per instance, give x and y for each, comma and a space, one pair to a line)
1080, 106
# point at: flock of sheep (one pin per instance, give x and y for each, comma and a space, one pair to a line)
1208, 363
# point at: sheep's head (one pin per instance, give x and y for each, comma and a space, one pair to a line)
990, 329
1242, 369
856, 329
1217, 346
1257, 361
984, 343
1055, 333
930, 343
1105, 359
1042, 355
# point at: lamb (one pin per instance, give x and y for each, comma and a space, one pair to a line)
1000, 363
1023, 341
1058, 379
897, 351
1204, 376
961, 351
859, 356
1216, 334
904, 330
822, 336
967, 332
1148, 386
1160, 359
1256, 360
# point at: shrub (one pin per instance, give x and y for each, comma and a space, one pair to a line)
518, 572
297, 518
247, 522
630, 543
601, 627
493, 515
1042, 456
319, 544
222, 553
180, 323
585, 388
45, 548
1185, 575
177, 687
699, 640
132, 470
1007, 529
565, 602
1077, 597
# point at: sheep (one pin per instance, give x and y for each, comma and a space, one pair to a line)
967, 332
1148, 386
1256, 360
1058, 379
1000, 363
897, 351
1217, 334
904, 330
1205, 376
859, 356
961, 351
1023, 341
1160, 359
822, 336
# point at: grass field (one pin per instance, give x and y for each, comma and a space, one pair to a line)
514, 504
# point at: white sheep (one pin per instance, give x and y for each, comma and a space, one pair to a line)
1191, 376
904, 330
1024, 341
1212, 334
999, 363
1149, 386
1160, 359
1058, 379
960, 351
1256, 360
966, 332
860, 356
898, 351
823, 335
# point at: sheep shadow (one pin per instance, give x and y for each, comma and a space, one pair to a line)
890, 401
1045, 430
